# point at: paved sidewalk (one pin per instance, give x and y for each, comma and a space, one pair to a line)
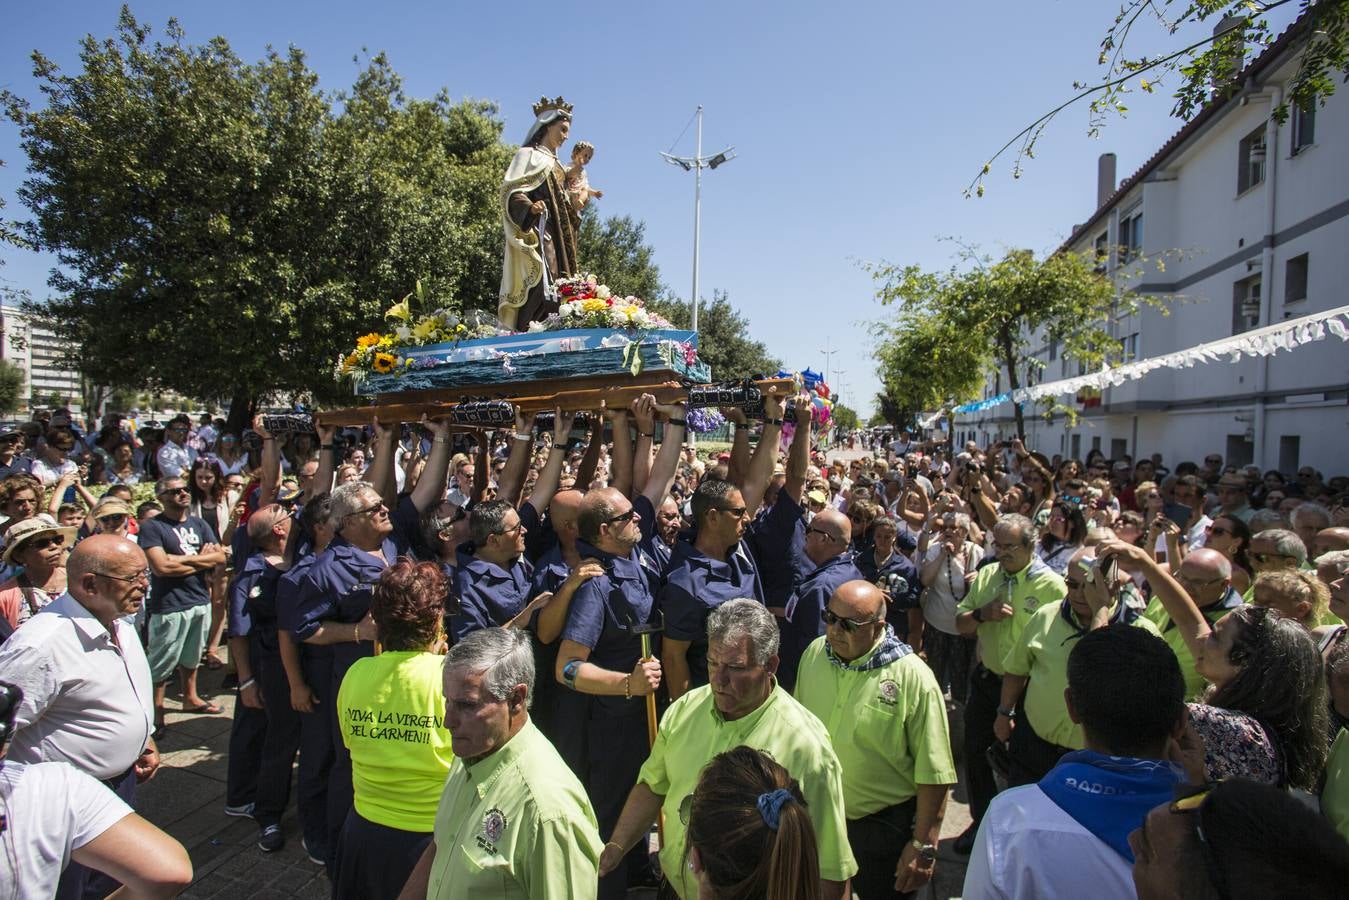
187, 799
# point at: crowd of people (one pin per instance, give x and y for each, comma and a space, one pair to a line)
498, 663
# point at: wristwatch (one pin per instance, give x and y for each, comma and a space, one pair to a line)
1009, 713
977, 614
926, 851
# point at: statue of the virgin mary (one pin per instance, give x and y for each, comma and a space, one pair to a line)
538, 220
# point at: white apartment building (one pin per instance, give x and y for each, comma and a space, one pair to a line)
33, 347
1260, 212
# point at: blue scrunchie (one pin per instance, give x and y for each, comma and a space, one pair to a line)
770, 806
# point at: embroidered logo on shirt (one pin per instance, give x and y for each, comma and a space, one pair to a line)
889, 692
493, 827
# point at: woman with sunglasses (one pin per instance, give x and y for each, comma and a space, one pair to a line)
749, 833
1264, 713
40, 546
229, 455
1232, 538
1062, 536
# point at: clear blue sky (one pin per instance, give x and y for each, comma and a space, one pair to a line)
856, 125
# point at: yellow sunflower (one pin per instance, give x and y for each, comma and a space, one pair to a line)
350, 362
368, 340
384, 362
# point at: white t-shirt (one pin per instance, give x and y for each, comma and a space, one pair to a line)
1029, 847
50, 809
49, 474
941, 598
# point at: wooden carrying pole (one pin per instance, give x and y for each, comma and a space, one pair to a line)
527, 397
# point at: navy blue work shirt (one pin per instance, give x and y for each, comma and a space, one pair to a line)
338, 588
778, 538
604, 610
253, 606
696, 584
804, 623
489, 594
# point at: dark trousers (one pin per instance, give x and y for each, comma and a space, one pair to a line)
981, 709
340, 791
247, 735
606, 750
950, 657
281, 743
1031, 755
374, 861
81, 883
316, 758
877, 841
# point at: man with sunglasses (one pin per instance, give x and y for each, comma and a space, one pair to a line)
600, 727
1043, 731
182, 552
886, 719
828, 548
1067, 836
175, 457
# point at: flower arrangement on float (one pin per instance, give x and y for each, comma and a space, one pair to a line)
382, 352
585, 303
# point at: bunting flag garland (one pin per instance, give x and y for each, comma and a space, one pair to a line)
1260, 342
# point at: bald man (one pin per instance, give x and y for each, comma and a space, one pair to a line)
1328, 539
86, 682
828, 538
886, 719
1206, 576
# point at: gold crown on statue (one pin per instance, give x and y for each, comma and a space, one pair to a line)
544, 105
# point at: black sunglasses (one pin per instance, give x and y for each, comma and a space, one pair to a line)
44, 543
621, 517
1191, 800
849, 625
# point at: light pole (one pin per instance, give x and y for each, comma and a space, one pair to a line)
696, 164
828, 354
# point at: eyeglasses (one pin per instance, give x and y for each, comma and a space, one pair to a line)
1194, 582
737, 511
514, 529
820, 531
143, 575
45, 542
1266, 557
849, 625
379, 504
622, 517
177, 490
1191, 801
113, 521
685, 808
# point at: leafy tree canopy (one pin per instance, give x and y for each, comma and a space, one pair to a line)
11, 386
958, 326
845, 417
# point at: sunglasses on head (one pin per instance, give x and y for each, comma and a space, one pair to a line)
1190, 801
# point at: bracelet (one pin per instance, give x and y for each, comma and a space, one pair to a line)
569, 672
358, 632
523, 436
247, 684
1009, 713
680, 422
627, 686
977, 613
772, 421
649, 434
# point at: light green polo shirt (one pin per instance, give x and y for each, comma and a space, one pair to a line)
692, 732
1035, 586
515, 824
1335, 794
391, 711
1042, 653
888, 725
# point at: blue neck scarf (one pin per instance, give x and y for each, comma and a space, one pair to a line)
1110, 796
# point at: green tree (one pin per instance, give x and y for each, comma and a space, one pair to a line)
615, 251
11, 386
981, 320
845, 417
1202, 69
723, 337
923, 362
224, 232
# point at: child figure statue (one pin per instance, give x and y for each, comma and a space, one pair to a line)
577, 184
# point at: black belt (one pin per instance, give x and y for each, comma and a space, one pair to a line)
983, 671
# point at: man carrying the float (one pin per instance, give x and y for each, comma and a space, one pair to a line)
538, 221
